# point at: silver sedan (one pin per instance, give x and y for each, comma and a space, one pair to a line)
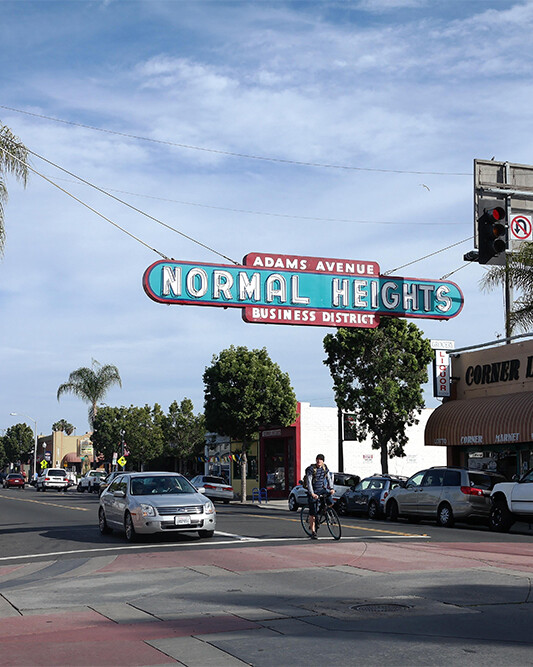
155, 502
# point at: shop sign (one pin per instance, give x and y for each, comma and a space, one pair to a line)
441, 374
287, 289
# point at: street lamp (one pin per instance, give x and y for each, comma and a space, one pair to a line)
19, 414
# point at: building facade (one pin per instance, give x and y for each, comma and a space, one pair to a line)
487, 423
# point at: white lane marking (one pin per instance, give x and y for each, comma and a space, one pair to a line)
133, 547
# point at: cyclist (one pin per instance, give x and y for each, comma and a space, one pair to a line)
319, 484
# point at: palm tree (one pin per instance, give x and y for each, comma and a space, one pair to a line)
91, 385
519, 272
13, 160
64, 426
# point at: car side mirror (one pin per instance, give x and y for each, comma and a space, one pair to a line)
402, 485
300, 482
119, 494
201, 489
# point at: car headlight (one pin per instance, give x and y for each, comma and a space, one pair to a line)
147, 510
209, 508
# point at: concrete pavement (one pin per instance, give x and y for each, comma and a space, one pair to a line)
297, 603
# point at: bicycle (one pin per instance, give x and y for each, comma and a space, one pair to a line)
327, 515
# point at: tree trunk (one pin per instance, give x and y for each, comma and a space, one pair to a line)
384, 458
244, 461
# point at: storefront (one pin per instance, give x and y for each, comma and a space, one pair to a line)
487, 423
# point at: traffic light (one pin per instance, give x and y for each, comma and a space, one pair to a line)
492, 231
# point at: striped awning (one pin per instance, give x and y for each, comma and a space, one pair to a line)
495, 420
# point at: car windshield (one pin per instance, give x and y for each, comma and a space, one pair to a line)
214, 480
159, 485
57, 473
15, 476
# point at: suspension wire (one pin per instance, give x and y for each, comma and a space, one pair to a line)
447, 275
134, 208
240, 155
86, 205
387, 273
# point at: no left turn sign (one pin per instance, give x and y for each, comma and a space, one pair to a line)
521, 228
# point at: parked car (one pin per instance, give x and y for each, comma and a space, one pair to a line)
511, 502
52, 478
155, 502
14, 479
215, 488
369, 496
341, 483
443, 494
91, 481
106, 481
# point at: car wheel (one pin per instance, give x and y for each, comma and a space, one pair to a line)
80, 488
129, 528
445, 516
206, 533
43, 489
373, 510
342, 507
392, 510
293, 503
500, 519
102, 523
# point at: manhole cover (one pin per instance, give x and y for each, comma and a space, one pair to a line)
380, 608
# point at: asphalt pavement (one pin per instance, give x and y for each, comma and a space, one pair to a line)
362, 601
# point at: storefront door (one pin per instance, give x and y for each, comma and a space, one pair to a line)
278, 472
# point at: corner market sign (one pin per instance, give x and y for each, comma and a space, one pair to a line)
291, 289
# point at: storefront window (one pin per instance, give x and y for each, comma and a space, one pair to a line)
251, 468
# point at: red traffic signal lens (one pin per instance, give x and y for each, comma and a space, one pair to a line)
497, 213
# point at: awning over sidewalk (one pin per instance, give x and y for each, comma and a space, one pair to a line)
498, 420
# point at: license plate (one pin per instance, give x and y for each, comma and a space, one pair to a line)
182, 520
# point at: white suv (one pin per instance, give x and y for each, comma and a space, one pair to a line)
52, 478
511, 502
91, 481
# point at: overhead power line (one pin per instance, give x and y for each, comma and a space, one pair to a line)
247, 156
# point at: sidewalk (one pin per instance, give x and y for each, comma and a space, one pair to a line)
303, 603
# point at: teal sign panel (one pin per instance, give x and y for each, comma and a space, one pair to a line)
321, 298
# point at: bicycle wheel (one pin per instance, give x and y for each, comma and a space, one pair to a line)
304, 518
334, 524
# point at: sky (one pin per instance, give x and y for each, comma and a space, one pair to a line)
343, 129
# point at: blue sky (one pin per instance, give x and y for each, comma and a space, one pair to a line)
404, 92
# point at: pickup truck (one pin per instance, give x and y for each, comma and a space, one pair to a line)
91, 481
511, 502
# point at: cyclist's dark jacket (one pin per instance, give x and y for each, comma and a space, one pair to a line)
319, 481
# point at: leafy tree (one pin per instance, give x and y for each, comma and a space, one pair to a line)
18, 443
245, 390
108, 426
3, 458
519, 271
141, 429
91, 385
378, 373
64, 426
13, 160
184, 432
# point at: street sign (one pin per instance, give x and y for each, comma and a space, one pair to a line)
287, 289
122, 461
521, 228
44, 464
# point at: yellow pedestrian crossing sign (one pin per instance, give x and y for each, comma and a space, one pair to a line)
44, 464
121, 461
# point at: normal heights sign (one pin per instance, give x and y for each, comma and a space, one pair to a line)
291, 289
